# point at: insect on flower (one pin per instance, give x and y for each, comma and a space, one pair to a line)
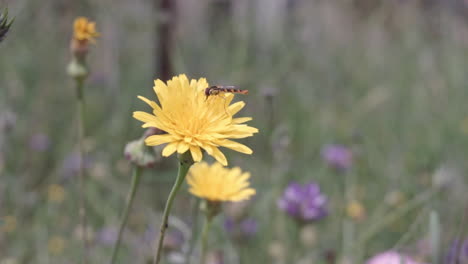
217, 90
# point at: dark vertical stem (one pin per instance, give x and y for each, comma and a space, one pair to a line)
164, 30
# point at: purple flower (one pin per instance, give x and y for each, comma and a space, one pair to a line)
71, 164
391, 257
107, 236
305, 203
338, 157
39, 142
457, 253
242, 230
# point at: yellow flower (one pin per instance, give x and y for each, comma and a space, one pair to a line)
194, 122
356, 210
56, 245
84, 30
55, 193
216, 183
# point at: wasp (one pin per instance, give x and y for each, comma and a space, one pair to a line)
216, 90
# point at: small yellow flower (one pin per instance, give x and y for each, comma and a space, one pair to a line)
216, 183
193, 122
56, 245
84, 30
55, 193
356, 210
9, 224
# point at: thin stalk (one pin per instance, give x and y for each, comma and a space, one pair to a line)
81, 170
131, 195
204, 238
185, 161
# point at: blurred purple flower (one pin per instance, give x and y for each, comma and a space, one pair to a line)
71, 164
149, 235
391, 257
39, 142
242, 230
338, 157
457, 253
305, 203
173, 241
108, 235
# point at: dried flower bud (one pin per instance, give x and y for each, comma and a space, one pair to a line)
137, 152
77, 70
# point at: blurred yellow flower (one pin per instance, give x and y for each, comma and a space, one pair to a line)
192, 122
9, 224
84, 30
356, 211
55, 193
216, 183
56, 245
395, 198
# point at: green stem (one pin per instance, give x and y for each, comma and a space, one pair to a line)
131, 195
205, 232
185, 161
81, 172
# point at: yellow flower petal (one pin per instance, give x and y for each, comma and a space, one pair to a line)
219, 156
196, 153
84, 30
182, 147
170, 149
236, 107
241, 120
149, 102
235, 146
144, 117
155, 140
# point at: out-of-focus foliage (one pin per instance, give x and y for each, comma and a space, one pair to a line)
386, 80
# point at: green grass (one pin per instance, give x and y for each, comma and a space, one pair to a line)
391, 86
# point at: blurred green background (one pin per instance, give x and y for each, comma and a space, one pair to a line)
387, 79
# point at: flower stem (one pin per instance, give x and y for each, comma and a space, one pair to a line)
185, 161
206, 230
81, 170
133, 188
